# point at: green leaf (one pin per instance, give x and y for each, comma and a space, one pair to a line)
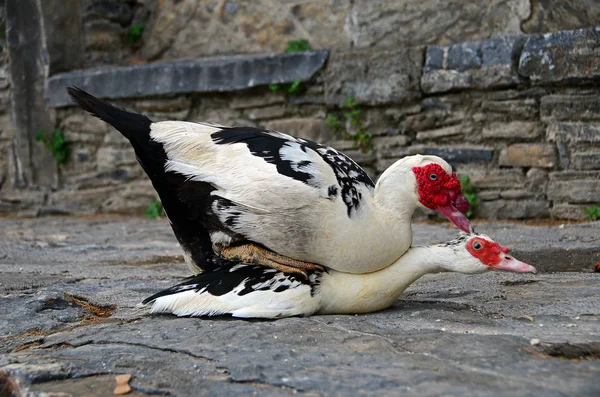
593, 212
275, 88
154, 210
134, 33
295, 88
298, 46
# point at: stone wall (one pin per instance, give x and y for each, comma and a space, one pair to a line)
519, 113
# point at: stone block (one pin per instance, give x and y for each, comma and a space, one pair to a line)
513, 194
83, 122
21, 202
115, 138
164, 105
455, 155
512, 130
569, 211
374, 78
537, 179
186, 76
574, 133
270, 112
529, 155
561, 56
111, 157
388, 142
454, 131
256, 101
574, 186
362, 158
392, 23
103, 36
523, 109
586, 161
115, 11
488, 195
307, 128
472, 65
82, 202
133, 198
554, 15
570, 107
513, 209
499, 179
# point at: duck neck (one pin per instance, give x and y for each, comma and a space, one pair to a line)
396, 193
360, 293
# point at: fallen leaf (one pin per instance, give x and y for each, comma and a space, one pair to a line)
122, 384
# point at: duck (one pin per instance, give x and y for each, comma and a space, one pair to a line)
252, 291
267, 198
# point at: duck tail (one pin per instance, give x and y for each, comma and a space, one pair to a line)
135, 127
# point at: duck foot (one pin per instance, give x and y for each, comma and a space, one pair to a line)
250, 253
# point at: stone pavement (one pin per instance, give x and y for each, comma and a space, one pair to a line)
70, 319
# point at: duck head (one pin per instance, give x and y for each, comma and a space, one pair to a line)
477, 253
432, 181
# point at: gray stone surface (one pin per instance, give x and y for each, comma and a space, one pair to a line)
69, 298
185, 76
461, 155
560, 56
472, 65
374, 77
552, 15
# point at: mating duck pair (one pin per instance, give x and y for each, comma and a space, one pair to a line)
275, 226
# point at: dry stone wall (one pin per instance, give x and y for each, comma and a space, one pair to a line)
519, 113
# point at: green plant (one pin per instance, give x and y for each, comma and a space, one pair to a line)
56, 144
135, 33
298, 46
362, 139
296, 87
470, 193
154, 210
593, 212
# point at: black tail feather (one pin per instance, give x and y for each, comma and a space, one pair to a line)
135, 127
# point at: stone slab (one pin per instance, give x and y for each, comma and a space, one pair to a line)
561, 56
472, 65
222, 74
461, 155
448, 334
374, 77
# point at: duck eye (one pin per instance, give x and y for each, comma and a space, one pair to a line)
477, 245
433, 177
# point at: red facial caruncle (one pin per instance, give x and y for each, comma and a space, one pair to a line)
439, 191
496, 257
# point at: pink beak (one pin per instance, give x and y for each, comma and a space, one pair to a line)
510, 264
455, 216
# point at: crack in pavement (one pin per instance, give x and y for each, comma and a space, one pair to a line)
393, 343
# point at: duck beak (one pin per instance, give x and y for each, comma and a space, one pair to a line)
510, 264
455, 216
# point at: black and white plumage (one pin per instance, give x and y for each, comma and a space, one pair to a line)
303, 200
255, 291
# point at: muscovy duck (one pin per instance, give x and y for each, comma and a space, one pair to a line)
268, 198
244, 290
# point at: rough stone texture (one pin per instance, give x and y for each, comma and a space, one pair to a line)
570, 107
472, 65
307, 128
192, 28
554, 15
27, 59
448, 334
522, 130
574, 186
461, 155
389, 23
374, 78
560, 56
528, 155
209, 75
